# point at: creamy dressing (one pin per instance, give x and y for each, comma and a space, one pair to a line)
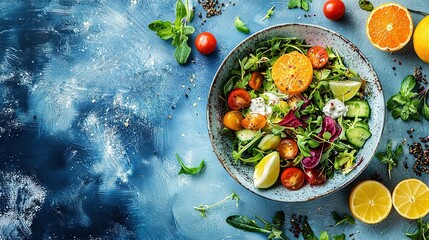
334, 108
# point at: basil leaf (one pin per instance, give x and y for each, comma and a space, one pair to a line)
425, 110
366, 5
340, 220
188, 30
180, 13
396, 113
395, 101
245, 223
159, 25
182, 52
189, 170
305, 6
241, 26
407, 85
165, 34
279, 219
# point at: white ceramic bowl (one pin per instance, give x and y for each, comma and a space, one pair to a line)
314, 35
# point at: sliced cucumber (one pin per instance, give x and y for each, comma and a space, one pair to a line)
358, 108
362, 125
358, 136
245, 135
269, 141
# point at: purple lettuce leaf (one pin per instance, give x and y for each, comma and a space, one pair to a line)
314, 159
290, 120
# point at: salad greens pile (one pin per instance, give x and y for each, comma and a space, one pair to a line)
324, 143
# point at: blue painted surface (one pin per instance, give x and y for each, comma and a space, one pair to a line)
94, 108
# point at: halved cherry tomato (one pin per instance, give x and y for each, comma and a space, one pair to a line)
318, 56
288, 149
205, 43
292, 178
232, 120
315, 176
334, 9
254, 121
256, 80
238, 99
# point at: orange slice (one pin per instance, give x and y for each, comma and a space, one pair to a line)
389, 27
292, 73
411, 198
370, 202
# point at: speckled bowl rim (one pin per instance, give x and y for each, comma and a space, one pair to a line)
216, 79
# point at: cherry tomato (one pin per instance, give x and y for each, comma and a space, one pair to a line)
254, 121
314, 176
205, 43
232, 120
318, 56
292, 178
288, 149
334, 9
256, 80
238, 99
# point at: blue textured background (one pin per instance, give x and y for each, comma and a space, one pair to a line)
94, 108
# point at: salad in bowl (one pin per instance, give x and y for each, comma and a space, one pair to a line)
295, 116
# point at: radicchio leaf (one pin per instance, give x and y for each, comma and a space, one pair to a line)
314, 159
329, 125
290, 120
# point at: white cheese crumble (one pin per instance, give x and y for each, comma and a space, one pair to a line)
258, 105
334, 108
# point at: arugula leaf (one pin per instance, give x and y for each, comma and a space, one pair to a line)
346, 218
422, 232
241, 26
366, 5
390, 157
269, 13
189, 170
250, 225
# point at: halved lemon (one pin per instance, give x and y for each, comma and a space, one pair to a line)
267, 171
370, 202
411, 198
344, 90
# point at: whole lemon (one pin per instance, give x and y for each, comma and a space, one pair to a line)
421, 39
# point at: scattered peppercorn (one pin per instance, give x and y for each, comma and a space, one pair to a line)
296, 225
212, 7
421, 157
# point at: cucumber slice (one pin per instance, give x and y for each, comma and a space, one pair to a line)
358, 136
245, 135
358, 108
362, 125
269, 141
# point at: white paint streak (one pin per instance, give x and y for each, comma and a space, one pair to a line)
23, 198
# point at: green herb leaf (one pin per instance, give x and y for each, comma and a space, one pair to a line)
324, 235
425, 109
303, 4
189, 170
407, 85
366, 5
279, 219
180, 13
390, 157
346, 218
307, 232
241, 26
245, 223
422, 232
339, 237
269, 13
202, 208
182, 52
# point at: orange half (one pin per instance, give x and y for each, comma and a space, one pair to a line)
389, 27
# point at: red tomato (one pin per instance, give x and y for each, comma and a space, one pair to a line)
318, 56
205, 43
292, 178
238, 99
334, 9
254, 121
256, 80
288, 149
314, 176
232, 120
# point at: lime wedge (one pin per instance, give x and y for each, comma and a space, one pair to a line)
344, 90
267, 171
